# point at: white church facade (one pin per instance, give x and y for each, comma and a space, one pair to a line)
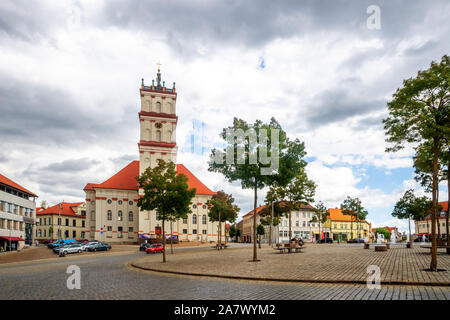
112, 214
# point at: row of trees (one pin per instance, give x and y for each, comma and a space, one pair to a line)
167, 193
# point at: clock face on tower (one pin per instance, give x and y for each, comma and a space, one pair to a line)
158, 125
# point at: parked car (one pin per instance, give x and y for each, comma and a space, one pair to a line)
68, 248
356, 240
71, 248
325, 240
144, 246
99, 246
57, 243
419, 239
86, 245
52, 244
155, 248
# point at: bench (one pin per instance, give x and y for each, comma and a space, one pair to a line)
216, 246
437, 247
289, 247
381, 248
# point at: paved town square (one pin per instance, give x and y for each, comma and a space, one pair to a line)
112, 276
224, 152
317, 262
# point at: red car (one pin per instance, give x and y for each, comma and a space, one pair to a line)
155, 248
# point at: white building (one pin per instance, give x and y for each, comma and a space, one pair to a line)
302, 227
112, 212
17, 215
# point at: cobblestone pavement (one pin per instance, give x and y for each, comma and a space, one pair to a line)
109, 277
317, 262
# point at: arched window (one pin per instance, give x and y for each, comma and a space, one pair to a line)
120, 215
92, 215
194, 219
109, 215
169, 135
130, 216
158, 107
158, 136
204, 219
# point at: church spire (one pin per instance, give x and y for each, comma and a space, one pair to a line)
158, 76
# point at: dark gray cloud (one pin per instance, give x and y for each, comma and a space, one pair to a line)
71, 166
337, 105
189, 25
61, 178
36, 114
124, 159
2, 157
26, 21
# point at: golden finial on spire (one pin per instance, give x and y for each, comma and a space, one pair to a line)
159, 65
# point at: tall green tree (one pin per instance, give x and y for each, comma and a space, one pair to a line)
411, 207
353, 207
320, 215
167, 193
298, 192
222, 209
257, 155
418, 112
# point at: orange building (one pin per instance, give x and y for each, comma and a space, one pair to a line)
342, 227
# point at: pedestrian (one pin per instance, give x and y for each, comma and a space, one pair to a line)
259, 242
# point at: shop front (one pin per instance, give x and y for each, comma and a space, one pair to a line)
11, 243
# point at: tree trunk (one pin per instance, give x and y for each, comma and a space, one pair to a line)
219, 235
171, 238
438, 223
271, 225
351, 227
409, 225
270, 234
164, 240
433, 263
290, 226
448, 209
255, 254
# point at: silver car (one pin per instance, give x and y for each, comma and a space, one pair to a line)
73, 248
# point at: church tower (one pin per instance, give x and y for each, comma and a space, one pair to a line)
158, 123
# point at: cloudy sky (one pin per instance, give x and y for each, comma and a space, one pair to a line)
70, 73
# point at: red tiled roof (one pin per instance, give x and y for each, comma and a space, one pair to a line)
193, 181
258, 210
337, 215
126, 179
444, 205
66, 209
14, 185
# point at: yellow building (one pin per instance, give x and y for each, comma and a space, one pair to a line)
64, 220
341, 227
